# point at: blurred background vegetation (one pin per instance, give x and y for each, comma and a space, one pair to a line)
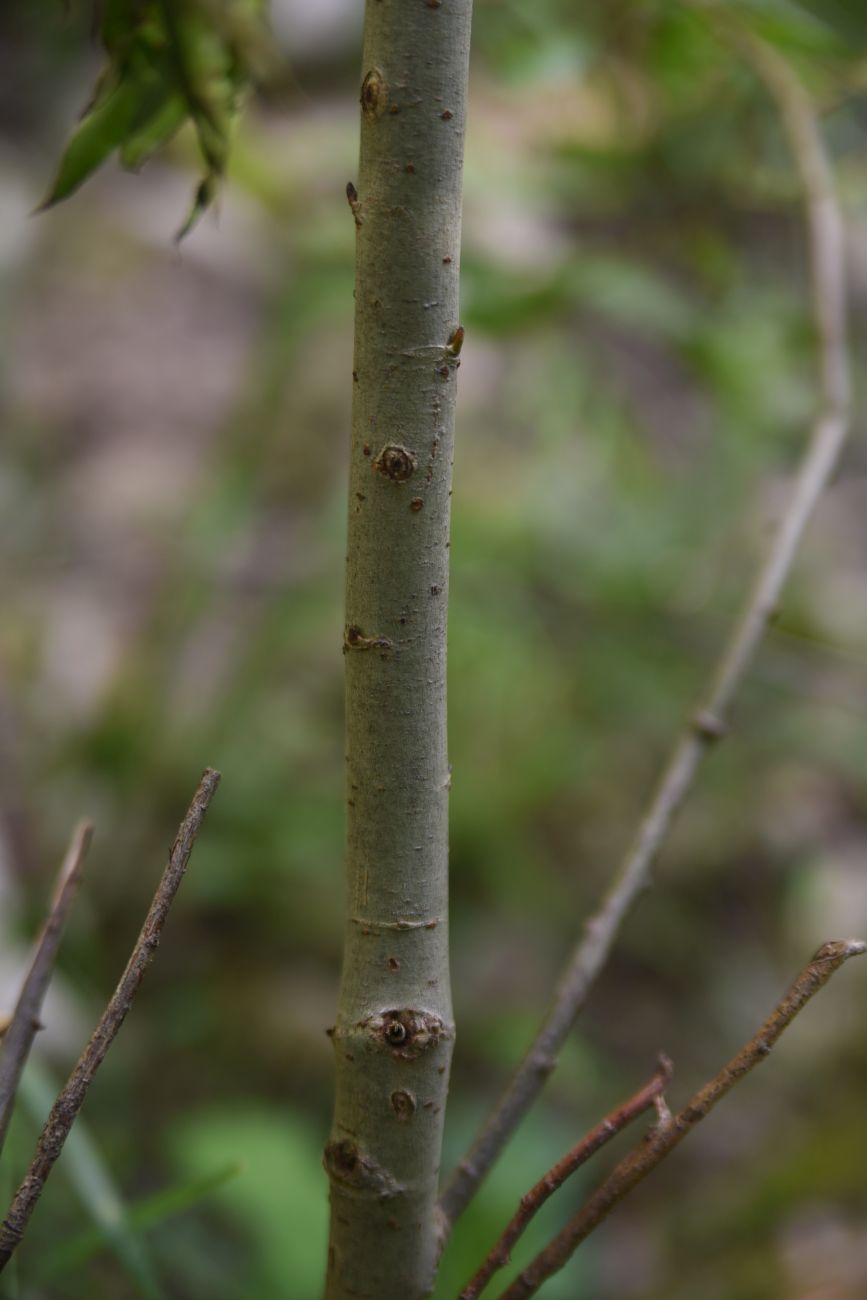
637, 384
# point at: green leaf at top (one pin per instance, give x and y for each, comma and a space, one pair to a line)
98, 134
168, 61
206, 192
156, 131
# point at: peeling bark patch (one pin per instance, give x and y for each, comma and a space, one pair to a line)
403, 1104
354, 639
395, 462
374, 93
346, 1164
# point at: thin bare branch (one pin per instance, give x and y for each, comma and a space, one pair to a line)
645, 1099
665, 1136
24, 1023
71, 1098
709, 722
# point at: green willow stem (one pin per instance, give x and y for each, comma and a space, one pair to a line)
394, 1032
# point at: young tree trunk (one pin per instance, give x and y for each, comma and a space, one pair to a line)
394, 1032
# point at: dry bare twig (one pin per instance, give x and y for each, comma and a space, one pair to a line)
71, 1097
666, 1135
710, 720
533, 1200
24, 1023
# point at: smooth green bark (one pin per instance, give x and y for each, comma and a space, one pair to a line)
394, 1033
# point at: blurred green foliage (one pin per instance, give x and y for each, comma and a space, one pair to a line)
168, 61
637, 384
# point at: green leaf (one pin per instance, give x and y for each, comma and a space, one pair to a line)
157, 131
135, 116
209, 76
204, 197
168, 60
119, 19
98, 135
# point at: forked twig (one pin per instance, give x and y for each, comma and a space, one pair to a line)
24, 1023
710, 720
533, 1201
665, 1136
71, 1098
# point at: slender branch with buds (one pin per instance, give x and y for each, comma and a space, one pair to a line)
668, 1133
20, 1032
709, 721
65, 1110
645, 1099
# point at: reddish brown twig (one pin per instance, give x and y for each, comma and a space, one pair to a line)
666, 1135
21, 1029
71, 1098
533, 1200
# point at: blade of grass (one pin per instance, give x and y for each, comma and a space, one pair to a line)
88, 1174
142, 1215
9, 1285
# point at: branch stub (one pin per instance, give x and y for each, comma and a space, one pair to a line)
396, 462
374, 94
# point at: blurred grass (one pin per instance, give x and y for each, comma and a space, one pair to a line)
637, 382
86, 1171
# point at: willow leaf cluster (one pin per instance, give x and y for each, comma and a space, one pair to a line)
168, 62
